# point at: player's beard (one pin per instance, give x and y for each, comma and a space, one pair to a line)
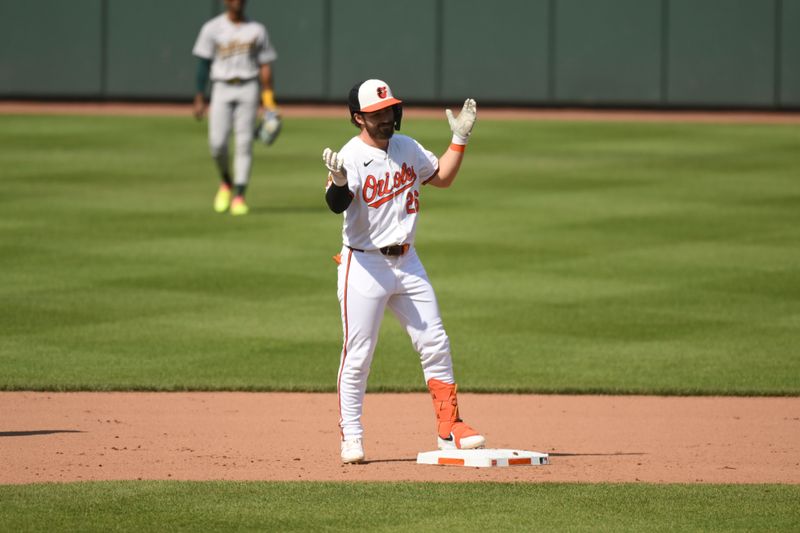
380, 132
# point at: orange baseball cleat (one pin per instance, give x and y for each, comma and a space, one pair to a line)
453, 433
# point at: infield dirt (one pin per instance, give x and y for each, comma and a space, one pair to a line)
63, 437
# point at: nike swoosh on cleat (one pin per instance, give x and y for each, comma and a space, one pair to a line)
368, 162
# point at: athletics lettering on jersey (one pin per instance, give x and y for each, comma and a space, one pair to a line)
377, 192
233, 48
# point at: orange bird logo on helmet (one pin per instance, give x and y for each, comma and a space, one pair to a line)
382, 92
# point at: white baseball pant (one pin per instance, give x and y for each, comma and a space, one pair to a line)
233, 107
368, 282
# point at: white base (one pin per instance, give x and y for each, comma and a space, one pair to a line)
482, 458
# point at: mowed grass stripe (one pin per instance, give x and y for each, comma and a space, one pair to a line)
569, 257
230, 506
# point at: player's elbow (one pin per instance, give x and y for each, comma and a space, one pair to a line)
446, 177
442, 182
336, 208
338, 198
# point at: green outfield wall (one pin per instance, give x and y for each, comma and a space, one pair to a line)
652, 53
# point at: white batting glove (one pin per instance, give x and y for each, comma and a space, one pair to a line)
335, 165
462, 125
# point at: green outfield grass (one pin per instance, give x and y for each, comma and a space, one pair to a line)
173, 506
568, 257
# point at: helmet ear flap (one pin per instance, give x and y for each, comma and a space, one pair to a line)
398, 115
353, 104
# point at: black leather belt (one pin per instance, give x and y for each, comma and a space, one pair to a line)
237, 81
393, 250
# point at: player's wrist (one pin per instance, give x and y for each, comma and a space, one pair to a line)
459, 139
268, 99
338, 180
457, 147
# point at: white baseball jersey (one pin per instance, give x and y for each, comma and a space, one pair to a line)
385, 187
236, 50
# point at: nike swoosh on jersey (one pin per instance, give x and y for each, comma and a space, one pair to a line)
368, 162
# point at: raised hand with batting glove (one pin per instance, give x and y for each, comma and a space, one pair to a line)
462, 125
335, 165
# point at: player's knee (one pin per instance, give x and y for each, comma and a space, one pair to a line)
355, 373
353, 377
217, 149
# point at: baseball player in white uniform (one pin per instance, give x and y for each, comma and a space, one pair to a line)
376, 180
237, 53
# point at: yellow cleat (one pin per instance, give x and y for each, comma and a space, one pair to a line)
222, 201
238, 207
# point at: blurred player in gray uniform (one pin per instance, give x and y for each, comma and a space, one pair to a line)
237, 54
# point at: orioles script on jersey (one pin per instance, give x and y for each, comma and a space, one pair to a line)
377, 192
